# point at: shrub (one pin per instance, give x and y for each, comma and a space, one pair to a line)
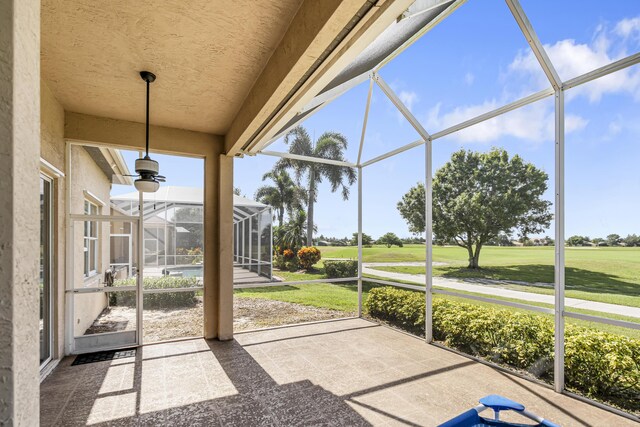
602, 364
285, 262
404, 309
288, 254
598, 364
308, 256
291, 264
340, 269
159, 300
197, 255
278, 261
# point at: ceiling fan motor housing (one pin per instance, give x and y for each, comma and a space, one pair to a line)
147, 166
146, 185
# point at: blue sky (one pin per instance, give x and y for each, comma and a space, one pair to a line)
475, 61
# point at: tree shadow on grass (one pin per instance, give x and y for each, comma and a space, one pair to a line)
542, 276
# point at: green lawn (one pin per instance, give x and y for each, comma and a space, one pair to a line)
322, 295
344, 297
376, 253
609, 275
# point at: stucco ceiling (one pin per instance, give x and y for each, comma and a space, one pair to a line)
206, 55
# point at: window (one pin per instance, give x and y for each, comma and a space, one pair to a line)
90, 241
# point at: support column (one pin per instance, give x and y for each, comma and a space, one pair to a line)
558, 377
250, 243
225, 244
244, 239
259, 257
428, 242
19, 211
211, 296
359, 241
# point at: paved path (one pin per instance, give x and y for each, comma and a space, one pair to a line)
487, 289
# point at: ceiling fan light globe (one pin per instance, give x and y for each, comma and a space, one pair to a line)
147, 165
145, 185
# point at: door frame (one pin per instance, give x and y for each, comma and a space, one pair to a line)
105, 340
70, 291
50, 274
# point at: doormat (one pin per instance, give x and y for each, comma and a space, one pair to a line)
103, 356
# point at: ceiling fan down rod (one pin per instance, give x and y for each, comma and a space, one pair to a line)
148, 77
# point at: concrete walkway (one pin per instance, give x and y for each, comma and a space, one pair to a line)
487, 289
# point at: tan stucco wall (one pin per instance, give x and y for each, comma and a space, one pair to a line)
225, 257
52, 148
86, 176
19, 211
51, 127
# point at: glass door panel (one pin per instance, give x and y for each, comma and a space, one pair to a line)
46, 288
104, 306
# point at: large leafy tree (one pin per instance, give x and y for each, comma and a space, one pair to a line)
389, 239
477, 196
284, 196
366, 239
330, 145
614, 239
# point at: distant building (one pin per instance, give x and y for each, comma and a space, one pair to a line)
173, 231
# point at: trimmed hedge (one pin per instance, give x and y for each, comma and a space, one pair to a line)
340, 269
598, 364
308, 256
160, 300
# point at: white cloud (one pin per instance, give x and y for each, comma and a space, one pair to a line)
469, 78
628, 27
534, 122
571, 59
615, 128
409, 99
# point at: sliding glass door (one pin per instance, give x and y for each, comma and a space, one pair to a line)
46, 256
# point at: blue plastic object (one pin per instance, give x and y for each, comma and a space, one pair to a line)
499, 403
466, 419
472, 418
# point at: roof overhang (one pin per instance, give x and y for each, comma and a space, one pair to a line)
112, 164
316, 51
380, 36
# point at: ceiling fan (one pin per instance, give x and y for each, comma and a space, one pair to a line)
148, 180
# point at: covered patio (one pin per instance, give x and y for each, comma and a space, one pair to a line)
348, 372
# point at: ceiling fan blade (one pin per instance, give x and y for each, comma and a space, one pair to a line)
161, 179
161, 176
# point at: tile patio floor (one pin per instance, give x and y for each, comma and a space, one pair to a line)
338, 373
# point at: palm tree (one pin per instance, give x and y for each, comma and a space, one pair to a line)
330, 145
293, 232
284, 196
